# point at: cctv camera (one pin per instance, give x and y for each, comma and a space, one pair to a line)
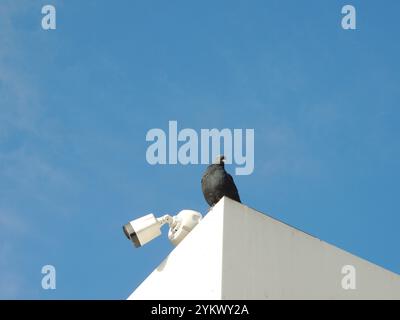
145, 229
142, 230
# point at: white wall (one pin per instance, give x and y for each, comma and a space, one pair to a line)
238, 253
266, 259
193, 269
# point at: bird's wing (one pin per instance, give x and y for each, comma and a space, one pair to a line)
233, 186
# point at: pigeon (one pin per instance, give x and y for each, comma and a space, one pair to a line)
216, 183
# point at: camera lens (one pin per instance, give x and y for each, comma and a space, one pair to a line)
131, 234
128, 230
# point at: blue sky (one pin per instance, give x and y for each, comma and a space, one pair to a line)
76, 104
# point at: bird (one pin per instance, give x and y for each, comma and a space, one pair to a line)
216, 183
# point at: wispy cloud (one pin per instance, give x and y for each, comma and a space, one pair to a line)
22, 113
11, 280
28, 170
24, 169
19, 107
10, 223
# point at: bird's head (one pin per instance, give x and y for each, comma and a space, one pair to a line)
220, 159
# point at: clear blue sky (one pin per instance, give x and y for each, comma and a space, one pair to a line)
76, 104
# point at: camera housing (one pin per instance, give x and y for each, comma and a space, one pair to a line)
142, 230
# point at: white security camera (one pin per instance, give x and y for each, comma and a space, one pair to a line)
144, 229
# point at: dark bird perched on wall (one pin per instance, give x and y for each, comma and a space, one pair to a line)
216, 183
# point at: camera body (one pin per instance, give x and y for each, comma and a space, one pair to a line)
142, 230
